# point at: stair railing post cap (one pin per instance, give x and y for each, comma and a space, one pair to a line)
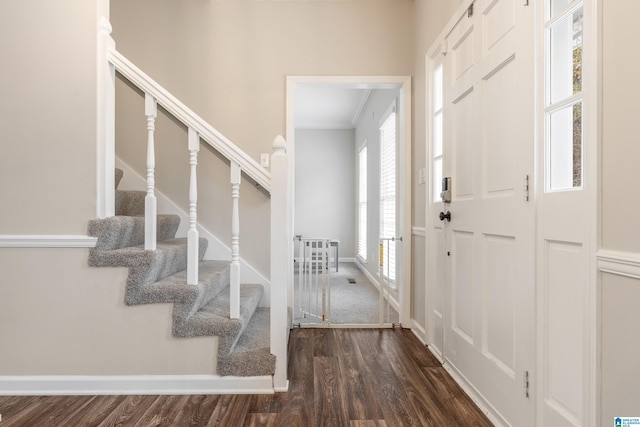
279, 143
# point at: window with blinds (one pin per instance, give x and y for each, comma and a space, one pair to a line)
388, 193
362, 203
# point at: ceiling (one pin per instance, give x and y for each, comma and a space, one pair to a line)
329, 106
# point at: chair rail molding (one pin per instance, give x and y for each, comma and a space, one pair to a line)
619, 263
46, 241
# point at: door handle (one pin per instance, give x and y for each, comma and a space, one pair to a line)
446, 216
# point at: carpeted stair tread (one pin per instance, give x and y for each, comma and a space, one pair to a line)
257, 332
160, 277
214, 318
213, 277
123, 231
256, 362
251, 355
146, 266
130, 202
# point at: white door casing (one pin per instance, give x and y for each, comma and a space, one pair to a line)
403, 218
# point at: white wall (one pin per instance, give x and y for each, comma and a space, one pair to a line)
325, 186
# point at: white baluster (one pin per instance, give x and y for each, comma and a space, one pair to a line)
193, 256
234, 309
280, 261
150, 203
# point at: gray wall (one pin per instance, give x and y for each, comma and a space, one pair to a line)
325, 186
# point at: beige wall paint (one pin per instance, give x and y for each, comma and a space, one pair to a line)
57, 315
47, 116
228, 59
62, 317
620, 349
620, 207
620, 133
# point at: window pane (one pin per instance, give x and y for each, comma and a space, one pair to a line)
565, 41
565, 148
388, 189
437, 134
437, 88
558, 5
362, 201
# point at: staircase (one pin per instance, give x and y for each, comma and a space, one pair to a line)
160, 276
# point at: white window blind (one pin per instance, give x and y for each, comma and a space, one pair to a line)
362, 203
388, 192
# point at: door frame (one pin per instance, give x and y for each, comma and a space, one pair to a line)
403, 84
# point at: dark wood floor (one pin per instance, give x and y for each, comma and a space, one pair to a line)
338, 377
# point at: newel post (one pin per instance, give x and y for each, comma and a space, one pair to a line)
279, 260
234, 309
193, 237
150, 202
105, 123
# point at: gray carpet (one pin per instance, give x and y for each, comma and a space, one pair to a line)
351, 303
160, 277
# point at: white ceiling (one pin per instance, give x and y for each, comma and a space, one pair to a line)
329, 106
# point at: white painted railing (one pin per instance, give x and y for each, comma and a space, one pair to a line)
275, 182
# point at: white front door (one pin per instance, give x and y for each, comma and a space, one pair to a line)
488, 257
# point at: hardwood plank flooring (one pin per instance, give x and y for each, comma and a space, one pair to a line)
338, 378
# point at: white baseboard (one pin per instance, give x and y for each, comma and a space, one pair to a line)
46, 241
374, 280
283, 389
133, 385
476, 396
419, 331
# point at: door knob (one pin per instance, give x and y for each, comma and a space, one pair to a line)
446, 216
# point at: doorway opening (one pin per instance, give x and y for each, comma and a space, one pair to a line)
339, 219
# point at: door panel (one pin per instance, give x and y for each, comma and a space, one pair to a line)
499, 316
564, 283
488, 151
499, 94
463, 140
462, 285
